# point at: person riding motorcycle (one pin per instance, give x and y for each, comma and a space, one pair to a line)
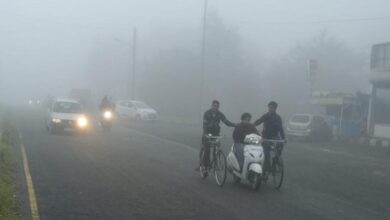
211, 121
239, 133
106, 104
272, 129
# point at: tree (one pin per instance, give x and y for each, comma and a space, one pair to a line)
170, 83
341, 69
229, 76
108, 68
172, 78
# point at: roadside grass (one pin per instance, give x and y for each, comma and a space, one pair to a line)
9, 138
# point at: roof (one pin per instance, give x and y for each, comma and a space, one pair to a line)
304, 114
126, 100
66, 100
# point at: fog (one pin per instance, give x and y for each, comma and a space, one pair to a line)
255, 51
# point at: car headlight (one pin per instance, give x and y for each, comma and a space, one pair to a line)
82, 122
56, 120
107, 115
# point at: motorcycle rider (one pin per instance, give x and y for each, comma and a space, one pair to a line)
272, 129
211, 120
105, 104
239, 133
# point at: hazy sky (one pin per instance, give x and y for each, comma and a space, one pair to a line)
46, 41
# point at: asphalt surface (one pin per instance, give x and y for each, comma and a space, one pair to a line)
146, 171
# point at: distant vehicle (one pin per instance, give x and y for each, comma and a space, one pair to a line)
135, 110
66, 114
309, 126
48, 102
34, 102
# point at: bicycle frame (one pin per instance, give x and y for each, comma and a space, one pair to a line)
214, 144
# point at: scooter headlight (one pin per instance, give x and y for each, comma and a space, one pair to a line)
107, 115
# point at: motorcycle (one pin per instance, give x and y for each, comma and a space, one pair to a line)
106, 120
252, 169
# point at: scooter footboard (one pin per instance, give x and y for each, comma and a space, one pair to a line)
232, 162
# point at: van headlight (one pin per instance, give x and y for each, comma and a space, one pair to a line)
82, 122
56, 120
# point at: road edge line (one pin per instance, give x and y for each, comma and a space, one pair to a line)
30, 186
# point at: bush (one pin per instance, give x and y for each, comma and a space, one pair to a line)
9, 138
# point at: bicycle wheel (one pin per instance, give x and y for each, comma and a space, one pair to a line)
277, 172
220, 170
202, 168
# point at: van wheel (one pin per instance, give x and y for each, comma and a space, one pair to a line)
290, 138
51, 130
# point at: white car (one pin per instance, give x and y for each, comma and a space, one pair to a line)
66, 114
136, 110
309, 126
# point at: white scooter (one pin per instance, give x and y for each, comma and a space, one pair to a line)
252, 169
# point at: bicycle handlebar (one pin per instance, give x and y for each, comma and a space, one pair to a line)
213, 137
274, 141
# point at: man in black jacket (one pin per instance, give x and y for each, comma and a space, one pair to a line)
272, 129
211, 121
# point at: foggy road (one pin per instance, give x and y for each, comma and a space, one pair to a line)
146, 171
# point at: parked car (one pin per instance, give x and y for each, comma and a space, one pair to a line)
309, 127
135, 110
66, 114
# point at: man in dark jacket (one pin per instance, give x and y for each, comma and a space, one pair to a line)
272, 129
242, 130
211, 121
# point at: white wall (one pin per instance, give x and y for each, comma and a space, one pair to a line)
382, 130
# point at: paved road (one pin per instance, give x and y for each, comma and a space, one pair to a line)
145, 171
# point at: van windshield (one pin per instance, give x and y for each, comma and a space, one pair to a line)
67, 107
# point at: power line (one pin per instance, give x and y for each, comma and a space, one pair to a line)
347, 20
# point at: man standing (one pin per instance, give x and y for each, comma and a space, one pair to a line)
272, 129
211, 121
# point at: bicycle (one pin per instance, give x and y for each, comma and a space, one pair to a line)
217, 161
277, 165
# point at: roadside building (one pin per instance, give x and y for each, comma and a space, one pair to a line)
378, 125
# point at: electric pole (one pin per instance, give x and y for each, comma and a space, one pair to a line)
134, 64
202, 62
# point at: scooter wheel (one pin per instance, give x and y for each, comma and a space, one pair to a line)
256, 182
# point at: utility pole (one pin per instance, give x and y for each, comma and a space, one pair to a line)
134, 64
202, 62
312, 73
